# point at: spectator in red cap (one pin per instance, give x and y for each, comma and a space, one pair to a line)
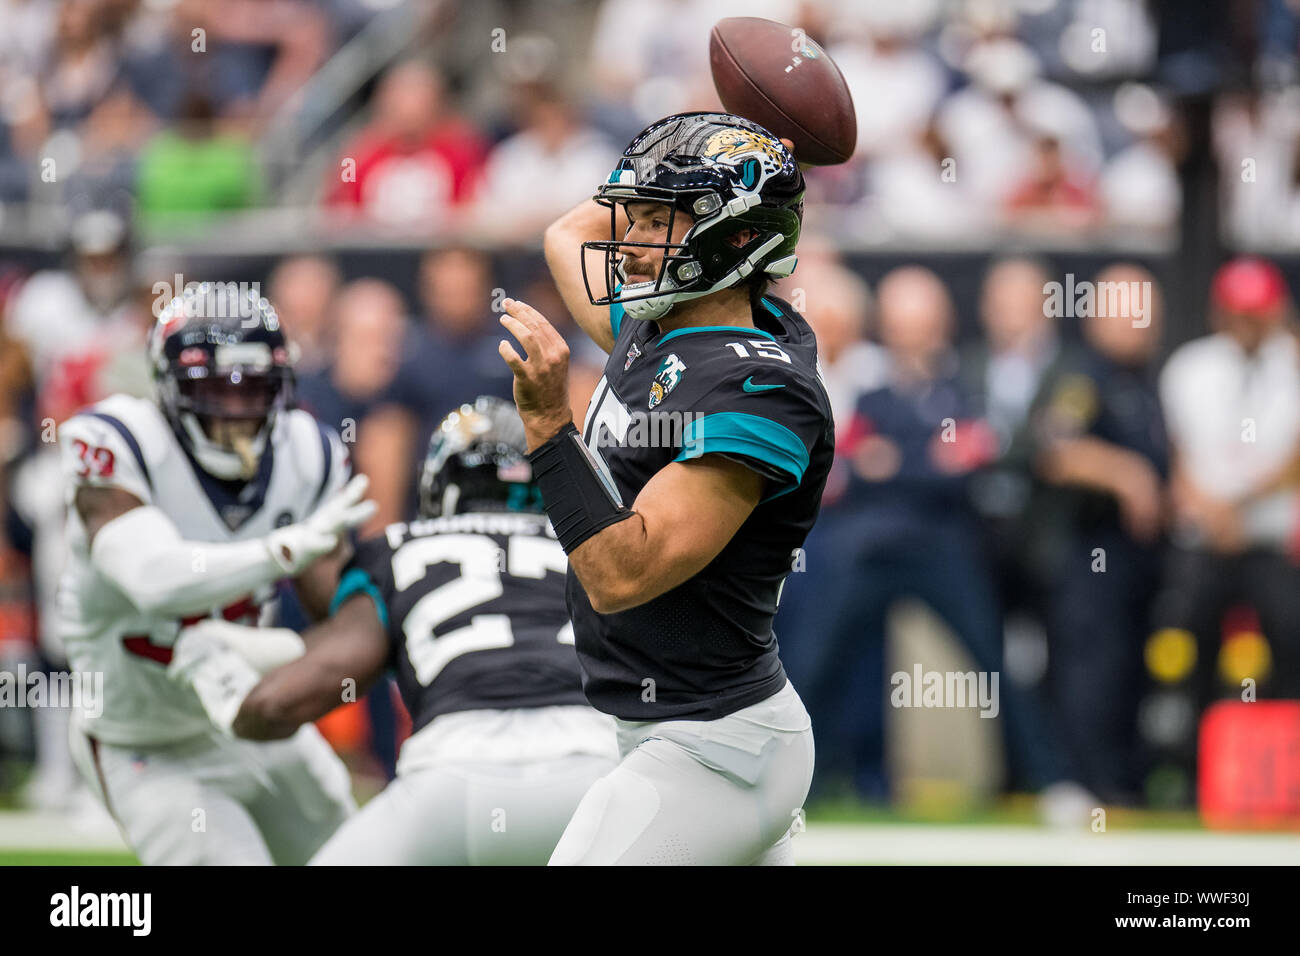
1232, 401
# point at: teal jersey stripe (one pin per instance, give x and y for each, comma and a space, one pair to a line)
717, 328
356, 581
753, 436
771, 308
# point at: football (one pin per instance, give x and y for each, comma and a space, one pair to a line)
780, 78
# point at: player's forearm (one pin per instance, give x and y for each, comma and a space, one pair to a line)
616, 568
144, 556
297, 693
638, 559
680, 521
610, 547
316, 585
588, 220
283, 701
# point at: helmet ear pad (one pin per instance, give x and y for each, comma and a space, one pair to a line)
719, 255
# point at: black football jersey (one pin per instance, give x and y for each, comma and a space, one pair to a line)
475, 612
706, 649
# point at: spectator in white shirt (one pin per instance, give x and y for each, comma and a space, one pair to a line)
1232, 401
895, 83
547, 167
1139, 185
993, 123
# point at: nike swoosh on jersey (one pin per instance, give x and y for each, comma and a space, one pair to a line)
749, 386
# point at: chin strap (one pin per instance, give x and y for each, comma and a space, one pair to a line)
656, 307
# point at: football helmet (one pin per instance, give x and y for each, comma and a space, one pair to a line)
478, 461
726, 173
222, 369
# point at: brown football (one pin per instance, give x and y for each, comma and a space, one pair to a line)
781, 79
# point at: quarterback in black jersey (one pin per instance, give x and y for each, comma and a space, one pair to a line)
466, 605
695, 478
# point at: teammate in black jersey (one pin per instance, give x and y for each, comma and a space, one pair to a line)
697, 475
466, 604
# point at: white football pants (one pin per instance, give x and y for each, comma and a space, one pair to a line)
472, 814
714, 792
217, 800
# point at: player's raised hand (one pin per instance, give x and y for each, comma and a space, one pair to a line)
298, 545
542, 375
789, 144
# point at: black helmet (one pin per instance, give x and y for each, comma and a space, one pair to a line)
218, 354
478, 461
723, 171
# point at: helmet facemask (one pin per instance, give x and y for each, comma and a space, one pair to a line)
228, 418
678, 273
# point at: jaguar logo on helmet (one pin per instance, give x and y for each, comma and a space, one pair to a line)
733, 144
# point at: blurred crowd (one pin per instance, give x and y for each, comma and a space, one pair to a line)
157, 102
1040, 117
1109, 523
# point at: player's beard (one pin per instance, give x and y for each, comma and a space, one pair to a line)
636, 271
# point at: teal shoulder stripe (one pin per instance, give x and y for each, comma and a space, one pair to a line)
771, 308
717, 328
356, 581
753, 436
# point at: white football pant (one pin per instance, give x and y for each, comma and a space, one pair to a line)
700, 792
216, 800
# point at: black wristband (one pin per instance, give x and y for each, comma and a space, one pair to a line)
579, 498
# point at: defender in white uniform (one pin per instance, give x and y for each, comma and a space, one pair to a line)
187, 508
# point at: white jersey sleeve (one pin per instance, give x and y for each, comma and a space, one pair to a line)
98, 449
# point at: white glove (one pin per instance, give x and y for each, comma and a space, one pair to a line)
219, 676
294, 547
264, 648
